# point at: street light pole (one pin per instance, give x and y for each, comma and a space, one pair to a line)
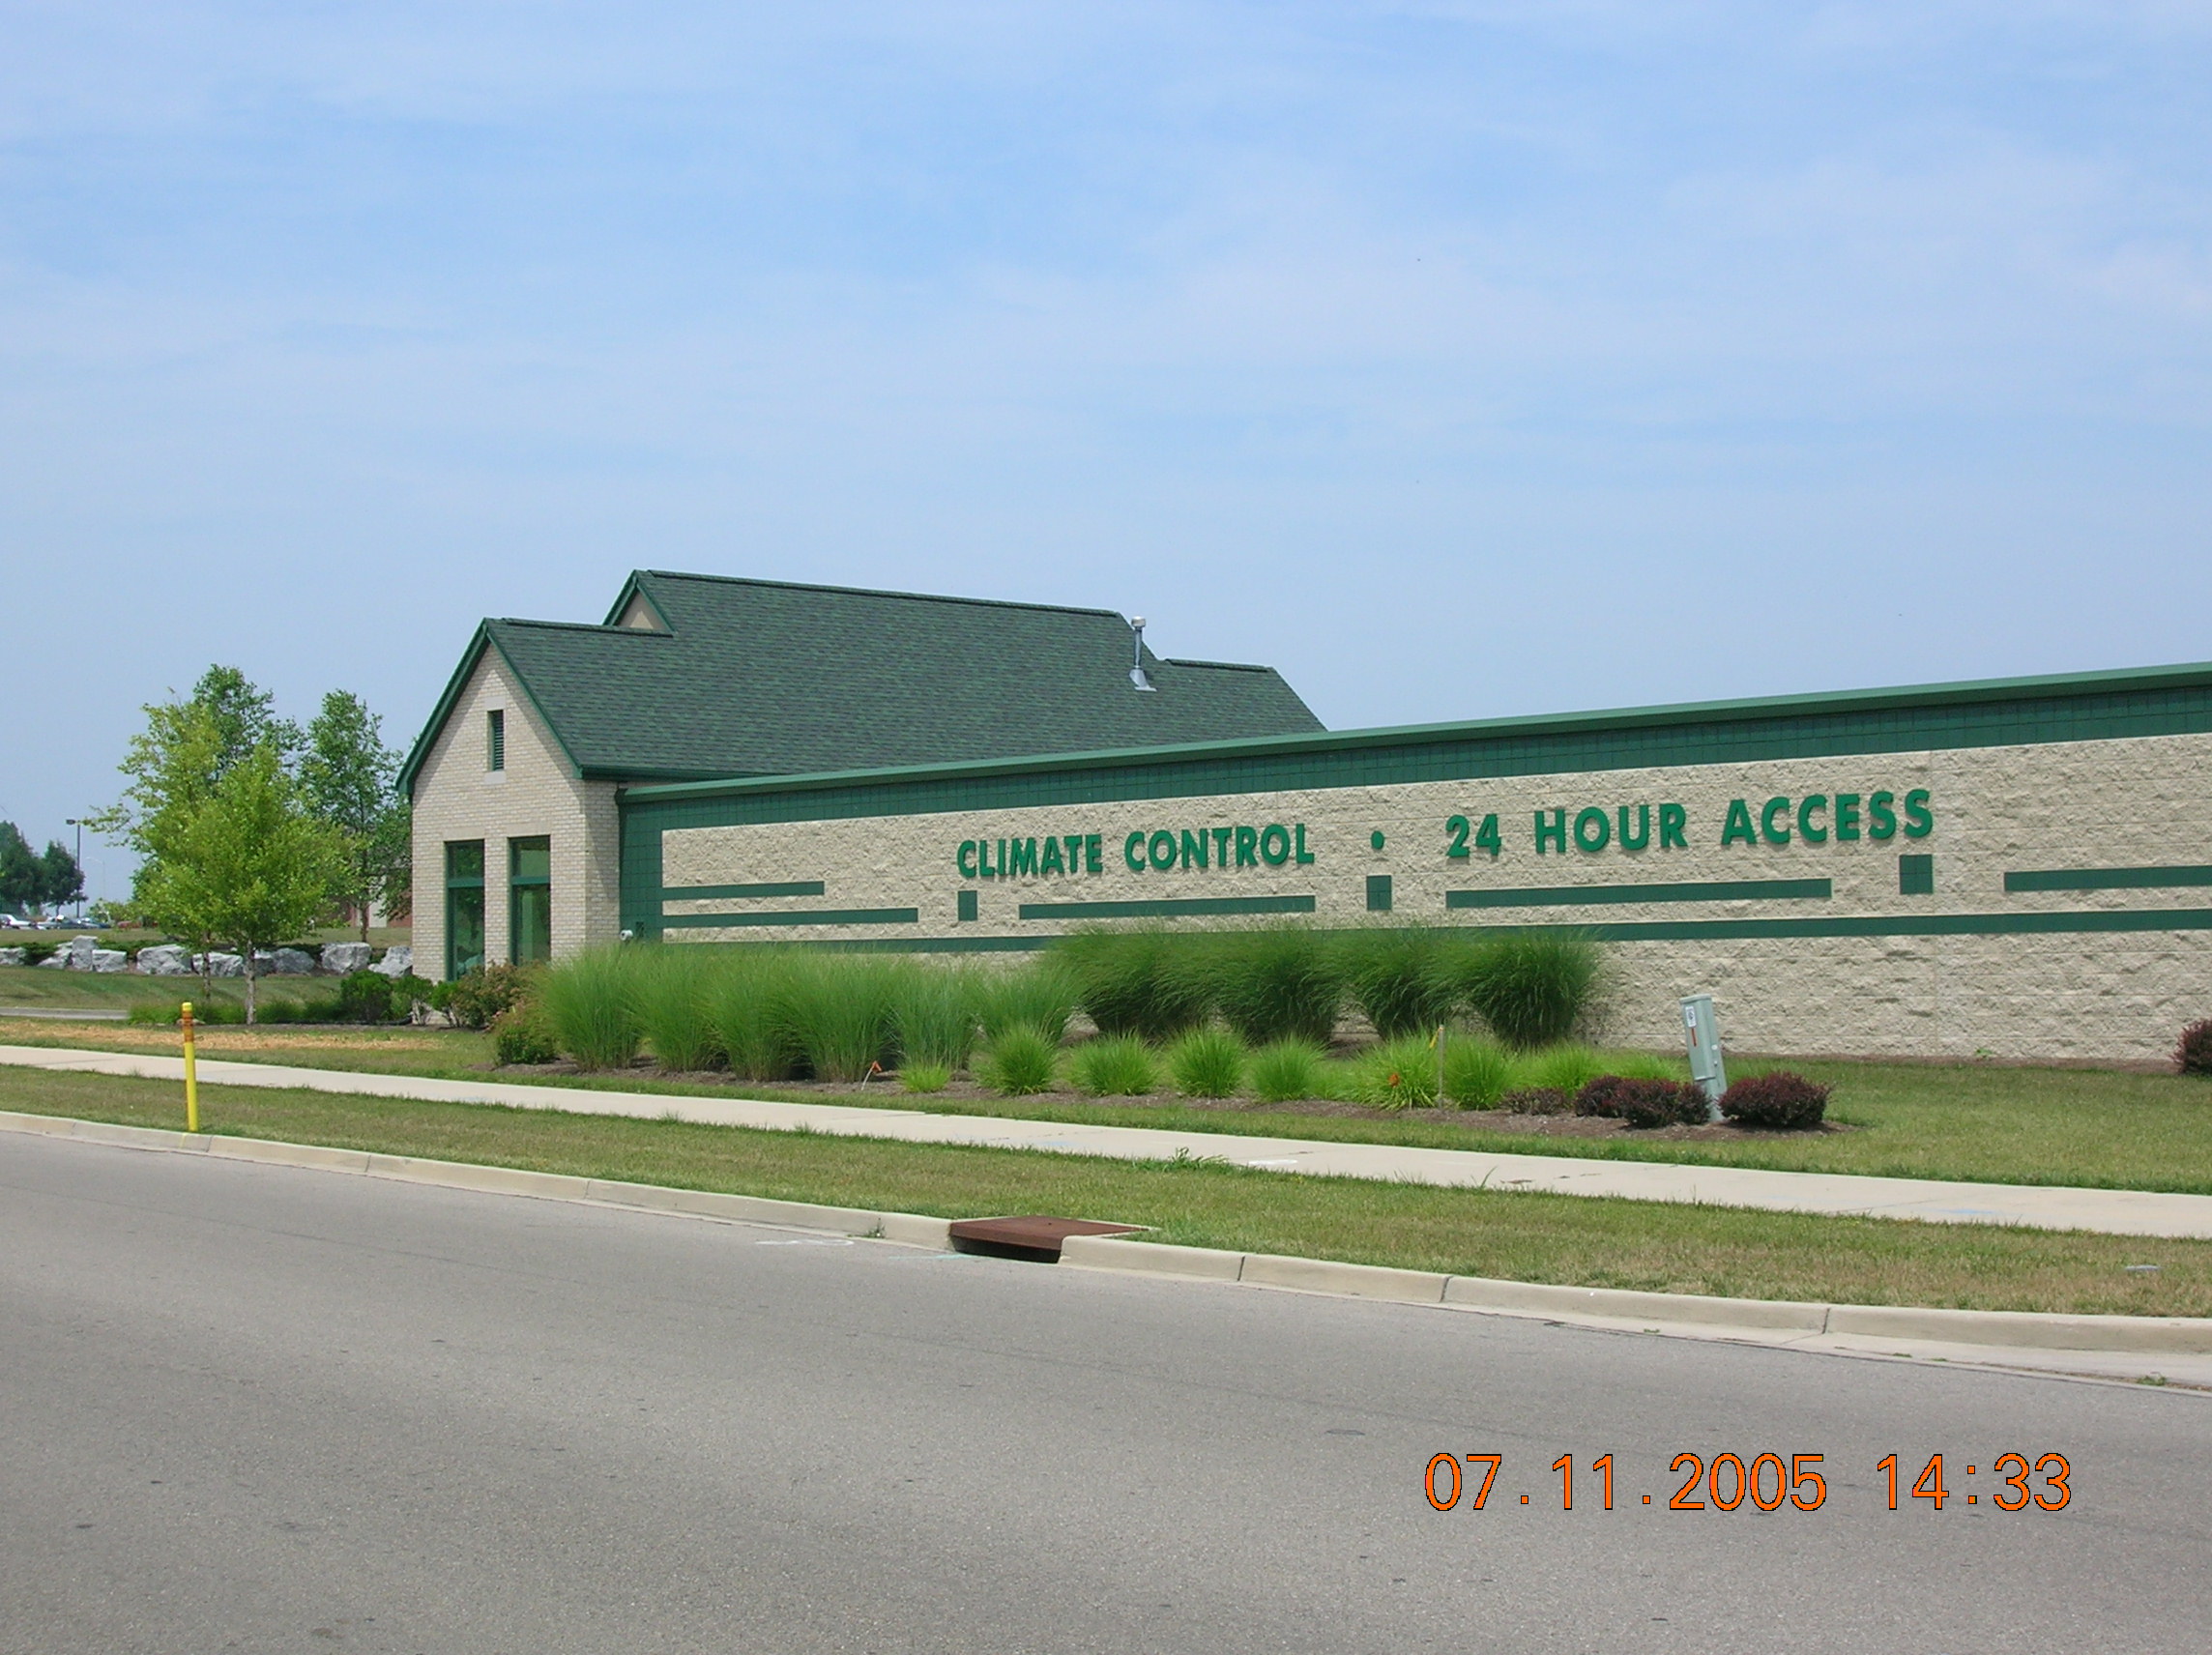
77, 822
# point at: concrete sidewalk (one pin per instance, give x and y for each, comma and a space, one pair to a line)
2113, 1212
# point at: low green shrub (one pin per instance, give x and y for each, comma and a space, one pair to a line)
1531, 987
520, 1034
1281, 982
1020, 1062
1535, 1100
1207, 1062
1565, 1068
1397, 1074
1405, 981
589, 1005
367, 996
1776, 1102
924, 1077
1040, 995
1286, 1071
2193, 1055
475, 999
1476, 1071
408, 991
316, 1008
167, 1014
1113, 1065
1147, 983
1644, 1103
674, 993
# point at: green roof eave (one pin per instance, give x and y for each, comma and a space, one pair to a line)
1896, 698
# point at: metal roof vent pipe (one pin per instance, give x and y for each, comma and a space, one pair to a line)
1137, 653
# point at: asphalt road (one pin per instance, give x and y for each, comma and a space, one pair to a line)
265, 1410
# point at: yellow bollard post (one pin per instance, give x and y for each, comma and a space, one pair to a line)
191, 1073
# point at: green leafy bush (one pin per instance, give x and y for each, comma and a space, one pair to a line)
839, 1009
2194, 1056
934, 1017
475, 999
1405, 981
1777, 1102
367, 996
1149, 982
1476, 1072
1397, 1074
924, 1077
1286, 1071
1531, 987
674, 993
589, 1005
1113, 1065
1642, 1103
520, 1034
1040, 994
1279, 983
1020, 1062
1565, 1068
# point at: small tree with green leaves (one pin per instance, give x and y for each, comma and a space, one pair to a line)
349, 778
248, 865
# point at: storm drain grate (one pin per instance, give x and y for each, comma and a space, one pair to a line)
1035, 1238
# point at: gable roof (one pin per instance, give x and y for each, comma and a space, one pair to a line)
773, 677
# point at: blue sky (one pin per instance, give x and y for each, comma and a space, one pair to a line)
1459, 359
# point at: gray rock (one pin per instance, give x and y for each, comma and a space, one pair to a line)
341, 959
107, 960
397, 961
222, 965
289, 963
79, 951
264, 963
54, 963
11, 956
166, 960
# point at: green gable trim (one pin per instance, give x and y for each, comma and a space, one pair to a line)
419, 754
1593, 895
723, 892
2107, 878
1167, 908
796, 916
1889, 925
2160, 701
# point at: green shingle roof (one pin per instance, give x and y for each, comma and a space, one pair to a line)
768, 678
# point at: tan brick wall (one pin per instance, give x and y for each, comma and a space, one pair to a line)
2073, 804
457, 797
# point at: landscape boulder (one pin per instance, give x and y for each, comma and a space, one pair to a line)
107, 960
166, 960
222, 966
11, 956
344, 959
398, 962
55, 962
80, 953
289, 963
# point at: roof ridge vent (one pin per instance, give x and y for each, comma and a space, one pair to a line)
1137, 653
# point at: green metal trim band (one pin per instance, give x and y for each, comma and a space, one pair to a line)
899, 944
795, 916
1164, 908
724, 892
2107, 878
1593, 895
1888, 925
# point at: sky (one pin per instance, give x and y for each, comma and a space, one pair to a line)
1459, 359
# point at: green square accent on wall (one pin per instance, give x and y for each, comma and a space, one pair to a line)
1377, 893
966, 904
1916, 875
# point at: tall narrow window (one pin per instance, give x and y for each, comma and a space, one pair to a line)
464, 908
495, 741
528, 900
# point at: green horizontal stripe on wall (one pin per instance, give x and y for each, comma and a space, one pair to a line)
795, 916
2107, 878
1167, 908
724, 893
1593, 895
1887, 925
900, 945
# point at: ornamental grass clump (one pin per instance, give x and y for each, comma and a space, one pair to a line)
1146, 983
1775, 1102
1286, 1071
1020, 1062
1115, 1065
924, 1077
1405, 981
1476, 1071
1645, 1103
674, 993
1207, 1062
590, 1001
1279, 983
1040, 995
1397, 1074
1563, 1068
751, 1009
934, 1018
839, 1008
1531, 987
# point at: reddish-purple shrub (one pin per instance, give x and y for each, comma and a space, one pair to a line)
1642, 1103
1778, 1102
2194, 1056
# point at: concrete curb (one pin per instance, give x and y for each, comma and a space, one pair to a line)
1761, 1320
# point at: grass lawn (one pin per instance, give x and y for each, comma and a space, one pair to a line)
1975, 1121
1518, 1236
119, 991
